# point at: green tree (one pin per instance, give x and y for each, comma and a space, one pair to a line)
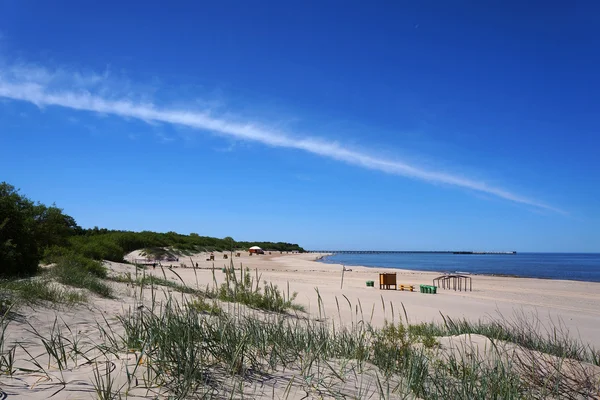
19, 254
27, 229
53, 228
229, 243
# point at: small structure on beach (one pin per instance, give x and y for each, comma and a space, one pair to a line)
454, 282
256, 250
386, 281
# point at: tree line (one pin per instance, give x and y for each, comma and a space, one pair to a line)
31, 232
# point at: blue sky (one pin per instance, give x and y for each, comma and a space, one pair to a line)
329, 124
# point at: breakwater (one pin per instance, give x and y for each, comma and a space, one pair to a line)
410, 252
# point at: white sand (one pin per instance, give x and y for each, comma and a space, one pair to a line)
576, 304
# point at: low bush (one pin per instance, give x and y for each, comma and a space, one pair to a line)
81, 272
67, 258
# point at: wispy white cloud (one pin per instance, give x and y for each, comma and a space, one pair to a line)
82, 92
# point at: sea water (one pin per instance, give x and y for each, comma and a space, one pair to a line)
571, 266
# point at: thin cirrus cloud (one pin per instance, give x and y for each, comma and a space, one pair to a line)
47, 88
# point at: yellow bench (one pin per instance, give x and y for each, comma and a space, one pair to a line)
407, 287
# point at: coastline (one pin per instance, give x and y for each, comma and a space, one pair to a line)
574, 304
324, 257
569, 306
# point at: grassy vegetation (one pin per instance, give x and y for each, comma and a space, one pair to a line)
37, 290
151, 280
71, 259
102, 244
81, 272
70, 269
201, 305
7, 356
6, 302
190, 348
523, 330
31, 232
188, 355
246, 290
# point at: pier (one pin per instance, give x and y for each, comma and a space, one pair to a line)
409, 252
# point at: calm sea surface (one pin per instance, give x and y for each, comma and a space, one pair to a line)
572, 266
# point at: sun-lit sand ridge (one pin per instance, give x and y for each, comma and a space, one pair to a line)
575, 305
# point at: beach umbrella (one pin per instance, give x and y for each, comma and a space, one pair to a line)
255, 248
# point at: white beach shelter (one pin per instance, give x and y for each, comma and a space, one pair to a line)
256, 249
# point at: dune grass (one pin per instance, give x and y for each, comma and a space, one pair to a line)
151, 280
187, 354
189, 347
247, 290
69, 270
76, 273
523, 330
202, 305
37, 290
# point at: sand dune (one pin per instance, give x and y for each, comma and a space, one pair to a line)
576, 305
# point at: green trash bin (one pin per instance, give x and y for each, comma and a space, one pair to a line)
428, 289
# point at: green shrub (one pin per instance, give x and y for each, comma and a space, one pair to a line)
67, 257
19, 250
78, 271
98, 248
26, 229
102, 244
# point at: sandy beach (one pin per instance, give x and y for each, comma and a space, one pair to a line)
574, 305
